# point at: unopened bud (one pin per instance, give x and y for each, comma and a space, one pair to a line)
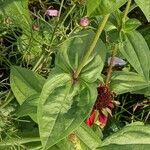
84, 22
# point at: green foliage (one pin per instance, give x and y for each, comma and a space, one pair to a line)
144, 5
72, 51
51, 94
17, 11
131, 25
103, 7
123, 82
29, 107
93, 141
135, 50
132, 136
25, 83
61, 107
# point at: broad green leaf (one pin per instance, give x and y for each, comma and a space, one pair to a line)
131, 25
102, 7
88, 137
25, 83
17, 10
131, 137
62, 107
64, 144
29, 107
71, 53
122, 82
145, 91
145, 7
145, 31
136, 51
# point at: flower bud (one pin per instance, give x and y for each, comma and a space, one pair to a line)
84, 22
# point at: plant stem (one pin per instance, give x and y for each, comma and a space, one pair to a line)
68, 13
7, 100
114, 50
38, 63
60, 9
92, 46
132, 7
126, 11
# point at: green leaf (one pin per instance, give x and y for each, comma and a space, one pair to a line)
131, 137
136, 51
25, 83
103, 7
71, 53
62, 107
145, 7
145, 91
88, 137
64, 144
131, 24
145, 31
29, 107
17, 10
122, 82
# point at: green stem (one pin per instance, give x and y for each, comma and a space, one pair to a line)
7, 100
114, 49
68, 13
38, 63
60, 9
132, 7
126, 11
92, 46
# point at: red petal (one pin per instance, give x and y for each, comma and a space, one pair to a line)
103, 119
111, 106
91, 119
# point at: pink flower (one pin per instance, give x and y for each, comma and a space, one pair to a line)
51, 12
84, 22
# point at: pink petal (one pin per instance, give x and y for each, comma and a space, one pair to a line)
91, 119
111, 105
52, 12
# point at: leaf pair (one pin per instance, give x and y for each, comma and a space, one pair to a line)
137, 52
60, 104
